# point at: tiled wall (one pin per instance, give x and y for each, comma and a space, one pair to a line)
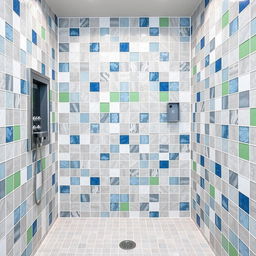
28, 38
118, 154
224, 125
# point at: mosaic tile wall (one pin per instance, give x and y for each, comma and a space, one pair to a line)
224, 125
118, 155
28, 38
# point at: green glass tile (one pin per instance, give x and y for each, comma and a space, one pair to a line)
164, 22
124, 207
194, 165
253, 116
16, 179
134, 96
64, 97
9, 184
253, 44
114, 96
225, 19
244, 49
232, 250
164, 96
224, 242
29, 235
43, 163
224, 88
194, 70
104, 107
43, 32
244, 151
154, 180
212, 191
16, 132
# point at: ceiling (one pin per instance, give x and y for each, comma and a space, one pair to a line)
129, 8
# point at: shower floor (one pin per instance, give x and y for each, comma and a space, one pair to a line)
98, 236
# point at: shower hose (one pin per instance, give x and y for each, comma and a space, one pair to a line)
38, 196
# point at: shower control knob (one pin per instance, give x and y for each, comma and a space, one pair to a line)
34, 128
38, 127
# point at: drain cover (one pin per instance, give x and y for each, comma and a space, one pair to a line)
127, 245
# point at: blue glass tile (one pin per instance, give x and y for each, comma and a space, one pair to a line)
74, 32
224, 202
198, 220
198, 199
124, 47
218, 65
184, 139
144, 181
224, 74
233, 26
74, 181
63, 67
29, 172
225, 131
174, 86
185, 22
34, 227
74, 139
153, 47
134, 180
75, 164
163, 164
164, 56
9, 134
124, 96
114, 66
124, 198
163, 117
64, 189
94, 181
153, 76
124, 139
174, 181
202, 160
218, 169
104, 156
84, 172
198, 138
164, 86
144, 22
253, 27
64, 164
206, 2
202, 43
114, 206
2, 171
34, 37
23, 209
154, 31
184, 206
2, 189
144, 139
144, 117
174, 156
202, 183
154, 214
114, 148
198, 96
43, 69
53, 179
124, 22
95, 128
233, 85
114, 117
84, 117
244, 202
243, 4
94, 87
23, 87
2, 45
84, 76
244, 134
114, 198
16, 7
53, 74
84, 198
94, 47
104, 31
53, 53
243, 249
218, 222
244, 219
207, 61
16, 215
8, 31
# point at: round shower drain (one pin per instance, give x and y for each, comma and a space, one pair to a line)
127, 245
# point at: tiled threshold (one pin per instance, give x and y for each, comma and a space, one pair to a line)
100, 236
